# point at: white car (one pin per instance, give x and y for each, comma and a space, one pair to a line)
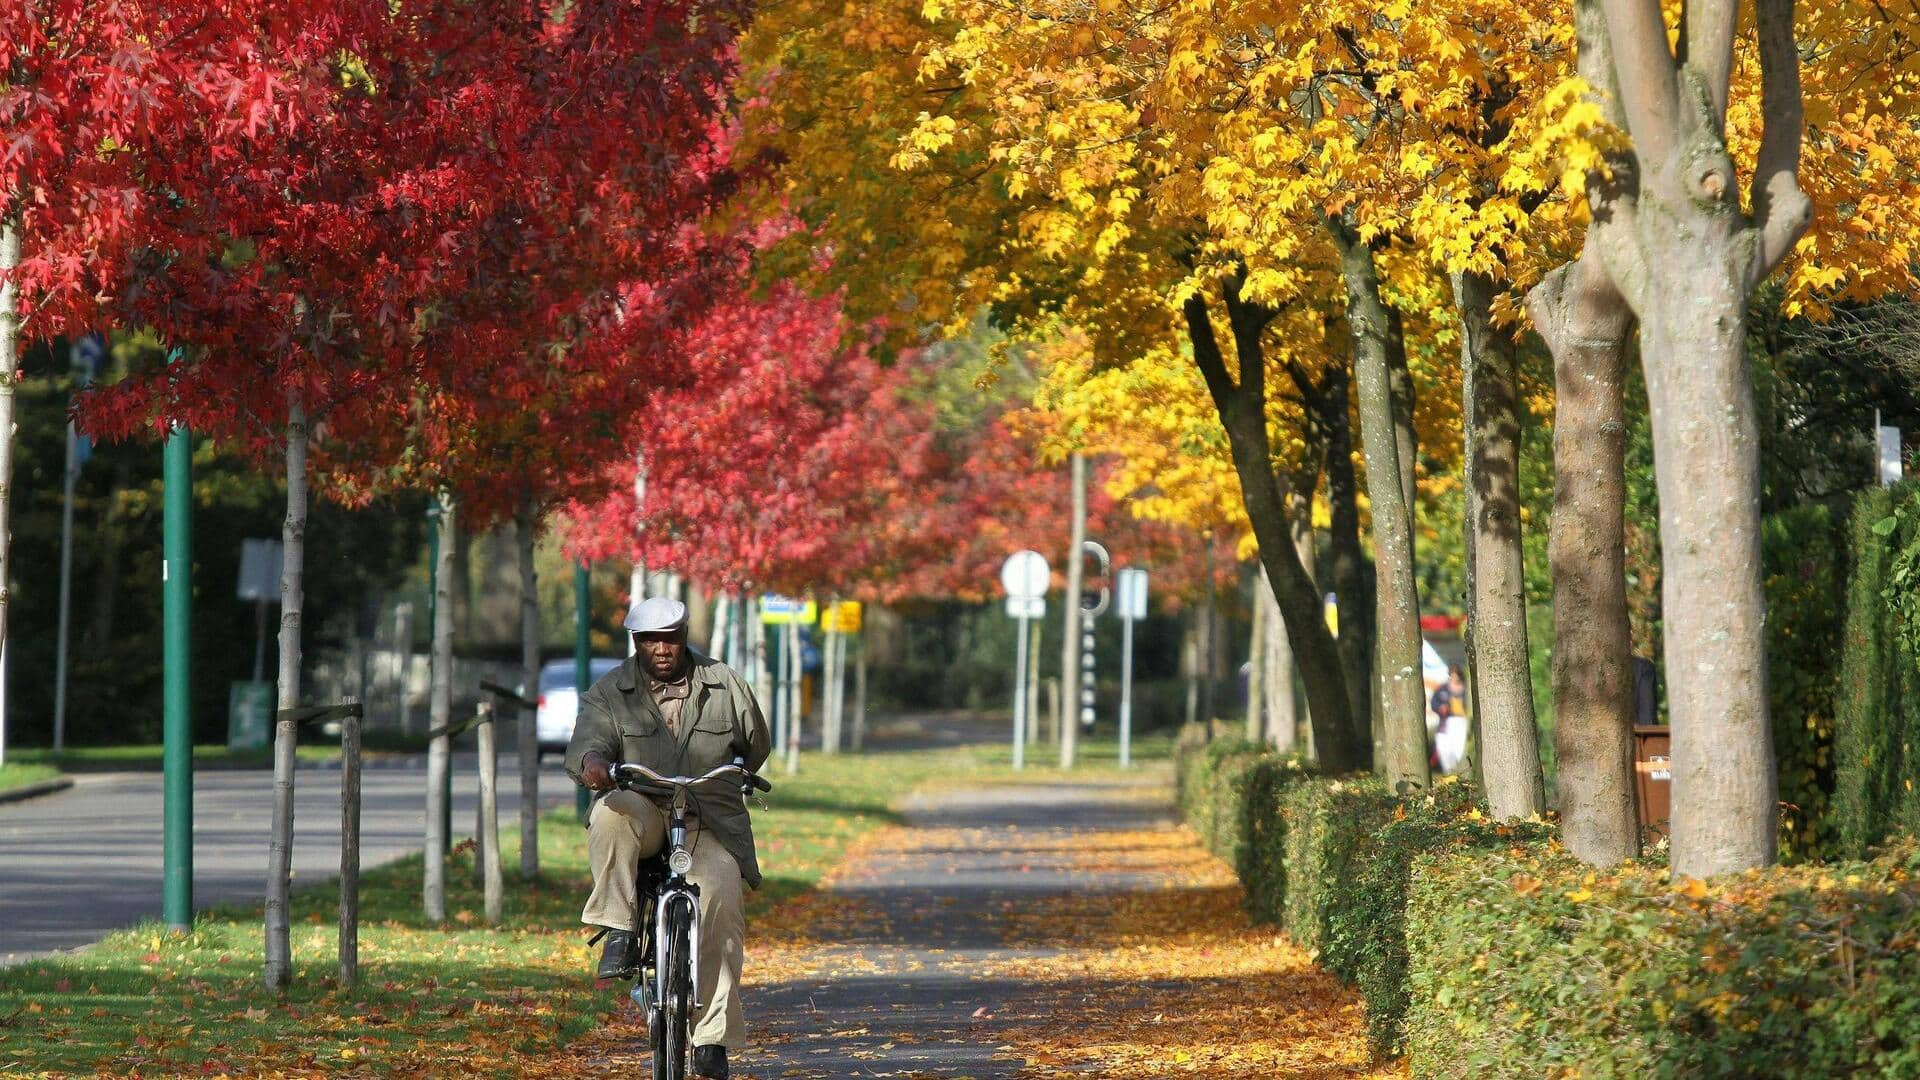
560, 701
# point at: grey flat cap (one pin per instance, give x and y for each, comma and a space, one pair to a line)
656, 615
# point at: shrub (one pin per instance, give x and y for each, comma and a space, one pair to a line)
1263, 859
1324, 823
1366, 942
1524, 965
1877, 711
1804, 552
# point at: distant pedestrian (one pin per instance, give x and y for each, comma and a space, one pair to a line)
1448, 728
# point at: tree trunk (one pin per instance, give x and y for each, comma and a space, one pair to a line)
526, 738
487, 842
1072, 619
860, 696
720, 644
1509, 746
1397, 605
10, 346
1242, 409
1257, 665
279, 951
1707, 463
1400, 385
1585, 323
1033, 678
1351, 574
1282, 723
1687, 258
349, 950
440, 713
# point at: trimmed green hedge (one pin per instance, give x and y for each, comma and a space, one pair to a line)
1528, 966
1877, 713
1805, 554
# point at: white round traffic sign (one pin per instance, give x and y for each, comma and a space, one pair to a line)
1026, 575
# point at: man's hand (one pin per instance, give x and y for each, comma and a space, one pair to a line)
595, 773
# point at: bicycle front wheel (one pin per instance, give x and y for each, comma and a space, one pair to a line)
674, 1020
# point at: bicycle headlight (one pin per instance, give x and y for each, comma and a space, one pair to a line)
681, 861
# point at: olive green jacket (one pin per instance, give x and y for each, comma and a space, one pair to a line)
619, 720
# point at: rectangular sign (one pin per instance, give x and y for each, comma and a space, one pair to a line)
785, 611
1889, 456
249, 715
1132, 589
841, 618
1024, 607
260, 568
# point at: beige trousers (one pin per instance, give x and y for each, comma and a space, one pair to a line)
626, 827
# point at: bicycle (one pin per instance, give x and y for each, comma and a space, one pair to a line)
666, 983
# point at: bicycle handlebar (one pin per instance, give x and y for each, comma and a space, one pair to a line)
636, 771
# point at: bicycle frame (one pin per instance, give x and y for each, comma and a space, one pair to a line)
676, 891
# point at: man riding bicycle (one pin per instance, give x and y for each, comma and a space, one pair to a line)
680, 714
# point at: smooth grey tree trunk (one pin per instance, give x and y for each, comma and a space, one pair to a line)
1282, 721
278, 971
440, 713
10, 346
526, 738
860, 694
1509, 746
1242, 409
1257, 665
1071, 618
487, 847
1403, 722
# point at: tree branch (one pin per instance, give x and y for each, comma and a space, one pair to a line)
1206, 351
1645, 76
1708, 30
1781, 210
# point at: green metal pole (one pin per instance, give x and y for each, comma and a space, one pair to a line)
433, 605
176, 655
582, 657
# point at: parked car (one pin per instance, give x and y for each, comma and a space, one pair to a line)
560, 701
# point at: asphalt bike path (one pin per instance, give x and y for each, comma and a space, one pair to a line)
905, 963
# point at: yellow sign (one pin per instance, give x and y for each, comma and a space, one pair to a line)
841, 618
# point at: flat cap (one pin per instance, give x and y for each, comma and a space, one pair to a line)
656, 615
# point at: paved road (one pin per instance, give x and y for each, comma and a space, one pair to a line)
86, 861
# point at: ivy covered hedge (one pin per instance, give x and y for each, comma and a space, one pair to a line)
1531, 965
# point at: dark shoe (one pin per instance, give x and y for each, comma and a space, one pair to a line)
710, 1062
619, 956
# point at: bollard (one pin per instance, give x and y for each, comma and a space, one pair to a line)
350, 844
487, 840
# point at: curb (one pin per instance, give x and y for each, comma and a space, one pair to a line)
44, 787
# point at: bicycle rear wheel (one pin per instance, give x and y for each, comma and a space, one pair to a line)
673, 1017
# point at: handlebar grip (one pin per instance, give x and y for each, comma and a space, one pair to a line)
760, 783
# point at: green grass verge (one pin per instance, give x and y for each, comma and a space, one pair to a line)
18, 775
436, 1000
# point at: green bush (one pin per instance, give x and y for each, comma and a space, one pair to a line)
1877, 711
1324, 823
1804, 552
1263, 859
1366, 940
1525, 965
1210, 781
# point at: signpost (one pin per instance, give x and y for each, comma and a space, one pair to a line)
1025, 575
791, 614
1131, 605
1092, 604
